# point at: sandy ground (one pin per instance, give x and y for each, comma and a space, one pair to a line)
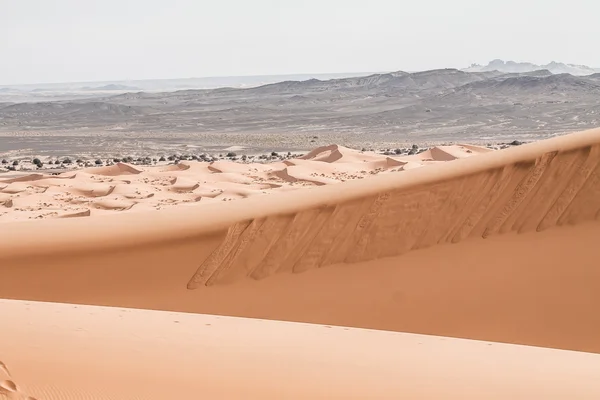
501, 247
139, 354
122, 187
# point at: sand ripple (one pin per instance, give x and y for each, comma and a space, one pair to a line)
123, 187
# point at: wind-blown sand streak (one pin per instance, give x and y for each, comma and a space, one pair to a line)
150, 260
523, 195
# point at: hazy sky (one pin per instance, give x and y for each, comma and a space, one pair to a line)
89, 40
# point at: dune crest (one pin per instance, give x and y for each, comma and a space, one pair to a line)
533, 193
114, 170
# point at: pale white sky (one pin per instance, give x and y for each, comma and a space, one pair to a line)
89, 40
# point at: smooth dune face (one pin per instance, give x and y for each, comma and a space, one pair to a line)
537, 288
499, 247
60, 351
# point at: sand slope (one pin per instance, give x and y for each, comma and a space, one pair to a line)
543, 290
521, 190
60, 352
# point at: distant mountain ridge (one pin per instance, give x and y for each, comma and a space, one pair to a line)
398, 81
110, 87
440, 103
522, 67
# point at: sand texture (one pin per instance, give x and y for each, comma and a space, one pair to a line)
123, 187
116, 353
500, 247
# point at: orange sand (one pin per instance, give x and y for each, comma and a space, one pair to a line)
500, 247
123, 187
58, 351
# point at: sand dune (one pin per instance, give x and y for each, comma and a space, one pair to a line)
499, 247
38, 196
166, 260
77, 352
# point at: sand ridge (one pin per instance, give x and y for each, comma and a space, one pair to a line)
123, 187
515, 190
519, 197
